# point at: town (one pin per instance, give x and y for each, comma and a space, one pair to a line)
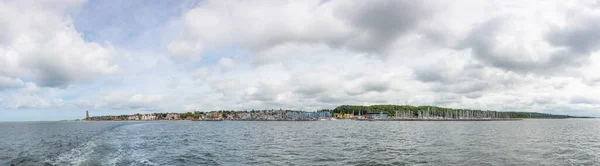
256, 115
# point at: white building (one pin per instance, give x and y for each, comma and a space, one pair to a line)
133, 117
149, 117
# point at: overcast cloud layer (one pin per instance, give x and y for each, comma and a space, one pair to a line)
60, 58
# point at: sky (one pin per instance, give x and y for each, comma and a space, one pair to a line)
59, 58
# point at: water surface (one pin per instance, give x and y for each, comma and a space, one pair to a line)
342, 142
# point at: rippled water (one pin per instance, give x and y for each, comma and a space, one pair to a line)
342, 142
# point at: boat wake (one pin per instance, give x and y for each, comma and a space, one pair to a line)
108, 148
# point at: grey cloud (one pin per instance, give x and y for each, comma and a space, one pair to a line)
52, 75
49, 73
473, 95
376, 86
382, 21
364, 26
10, 83
430, 75
482, 42
470, 80
264, 93
443, 73
330, 99
463, 87
544, 100
445, 99
311, 84
369, 86
310, 90
584, 100
580, 38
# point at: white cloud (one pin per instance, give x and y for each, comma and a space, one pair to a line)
124, 101
42, 45
182, 49
368, 26
226, 63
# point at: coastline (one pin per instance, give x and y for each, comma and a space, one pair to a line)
513, 119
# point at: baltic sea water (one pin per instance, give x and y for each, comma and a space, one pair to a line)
341, 142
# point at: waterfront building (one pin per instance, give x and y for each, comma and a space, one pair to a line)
133, 117
172, 116
149, 117
246, 116
307, 115
372, 115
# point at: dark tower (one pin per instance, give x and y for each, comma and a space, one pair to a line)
87, 115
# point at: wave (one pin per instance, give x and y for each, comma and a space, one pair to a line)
95, 150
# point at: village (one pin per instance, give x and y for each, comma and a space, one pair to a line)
260, 115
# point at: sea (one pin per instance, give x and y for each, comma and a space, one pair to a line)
340, 142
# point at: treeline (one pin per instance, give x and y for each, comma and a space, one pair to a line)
416, 111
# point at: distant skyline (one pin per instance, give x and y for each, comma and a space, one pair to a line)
59, 58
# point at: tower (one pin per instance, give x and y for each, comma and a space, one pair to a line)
87, 115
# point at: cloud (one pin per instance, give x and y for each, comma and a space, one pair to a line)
264, 92
578, 35
505, 43
366, 86
313, 83
584, 100
28, 96
43, 46
124, 102
182, 49
226, 63
28, 101
10, 83
378, 23
367, 26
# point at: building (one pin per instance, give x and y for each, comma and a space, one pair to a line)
373, 115
172, 116
133, 117
149, 117
246, 116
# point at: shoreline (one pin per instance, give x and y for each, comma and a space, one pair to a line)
299, 120
513, 119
